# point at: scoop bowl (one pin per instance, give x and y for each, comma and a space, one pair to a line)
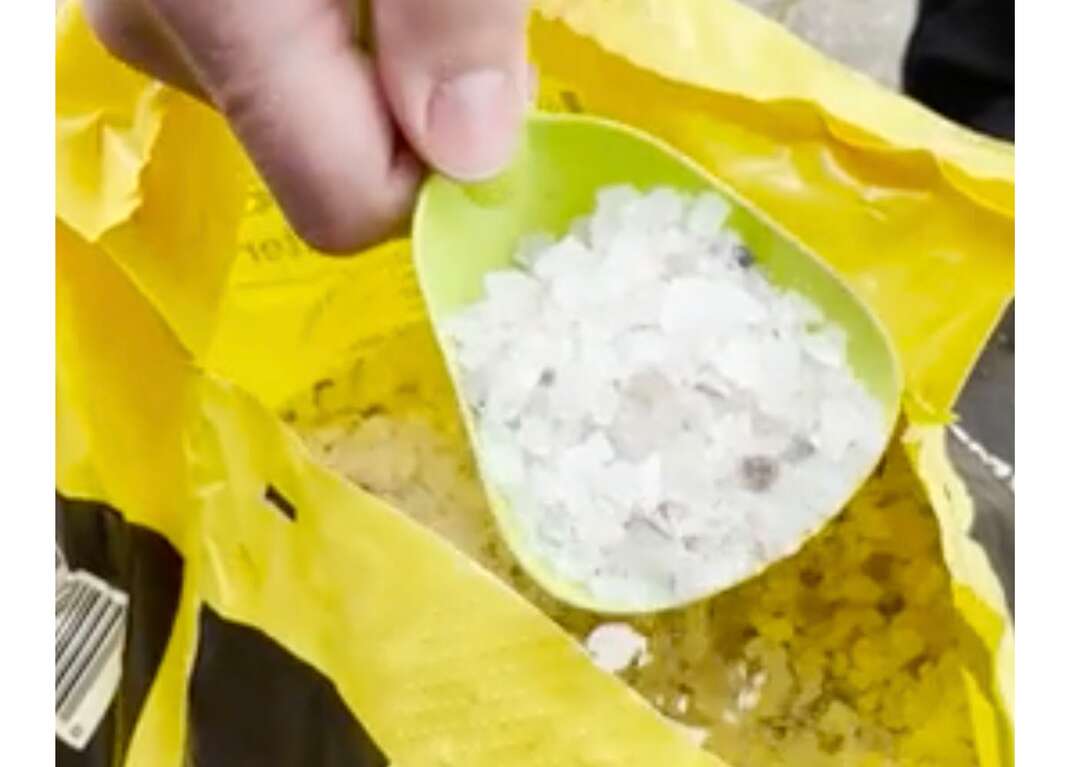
462, 232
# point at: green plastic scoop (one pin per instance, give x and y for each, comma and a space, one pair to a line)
462, 232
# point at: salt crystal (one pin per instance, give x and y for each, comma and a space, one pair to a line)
803, 311
686, 305
707, 215
511, 385
632, 264
686, 477
827, 347
564, 260
615, 646
504, 461
554, 527
639, 349
733, 429
530, 246
620, 482
699, 411
536, 437
603, 526
734, 305
839, 424
613, 200
581, 464
475, 386
680, 262
693, 302
514, 293
661, 418
696, 735
721, 261
547, 491
650, 387
651, 482
740, 365
780, 361
568, 395
673, 242
580, 229
661, 208
638, 428
611, 214
573, 294
644, 549
604, 404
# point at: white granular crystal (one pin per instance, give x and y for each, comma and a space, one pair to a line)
663, 419
696, 735
615, 646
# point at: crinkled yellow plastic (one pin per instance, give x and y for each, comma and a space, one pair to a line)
188, 313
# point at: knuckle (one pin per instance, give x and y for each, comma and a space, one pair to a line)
330, 228
375, 222
119, 29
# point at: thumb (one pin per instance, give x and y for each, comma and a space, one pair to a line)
454, 73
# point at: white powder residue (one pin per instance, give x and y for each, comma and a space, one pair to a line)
749, 687
614, 646
696, 735
663, 420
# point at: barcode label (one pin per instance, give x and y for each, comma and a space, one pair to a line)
90, 629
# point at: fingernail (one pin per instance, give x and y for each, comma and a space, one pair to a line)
473, 123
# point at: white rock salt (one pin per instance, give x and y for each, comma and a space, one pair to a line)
707, 215
661, 417
512, 294
532, 245
615, 646
696, 735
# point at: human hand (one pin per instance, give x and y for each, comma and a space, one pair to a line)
340, 134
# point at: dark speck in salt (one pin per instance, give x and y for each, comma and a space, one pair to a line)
799, 449
759, 472
548, 377
744, 256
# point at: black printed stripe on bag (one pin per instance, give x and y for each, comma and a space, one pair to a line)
90, 620
93, 539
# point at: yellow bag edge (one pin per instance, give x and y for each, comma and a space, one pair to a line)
933, 477
842, 96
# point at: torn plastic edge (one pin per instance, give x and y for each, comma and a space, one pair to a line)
70, 14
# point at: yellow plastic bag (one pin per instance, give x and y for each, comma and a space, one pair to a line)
188, 315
